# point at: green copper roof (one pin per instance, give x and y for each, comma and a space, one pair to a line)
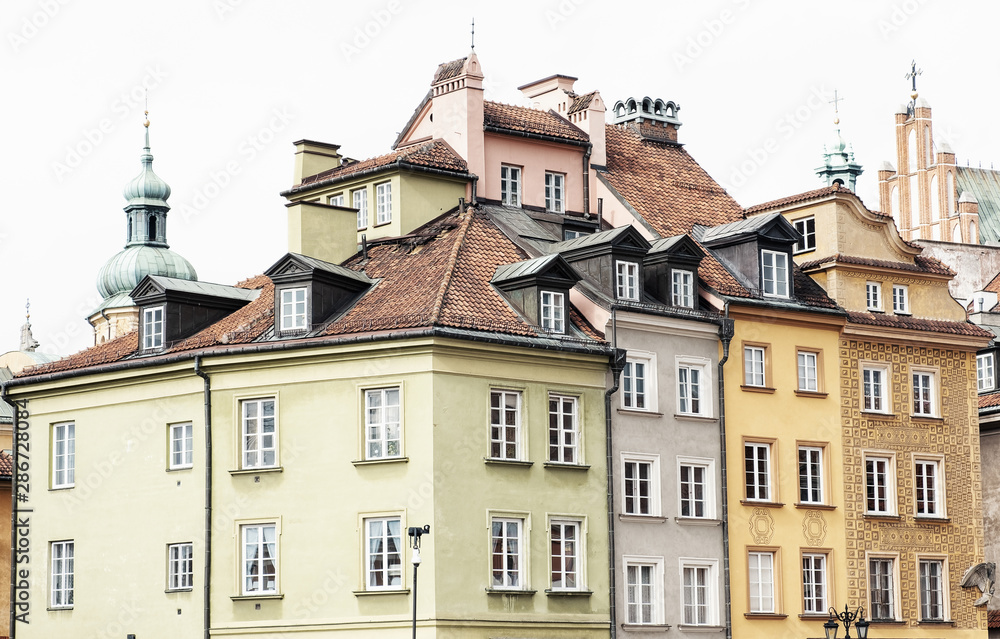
985, 185
147, 188
123, 272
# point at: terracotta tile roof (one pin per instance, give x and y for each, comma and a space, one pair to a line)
435, 154
6, 466
448, 70
918, 324
581, 102
989, 400
993, 618
994, 285
110, 351
527, 120
923, 264
805, 197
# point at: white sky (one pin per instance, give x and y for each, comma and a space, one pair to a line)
232, 83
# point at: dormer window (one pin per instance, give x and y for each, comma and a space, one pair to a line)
293, 310
682, 289
774, 273
152, 328
627, 278
553, 311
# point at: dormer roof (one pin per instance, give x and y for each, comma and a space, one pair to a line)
294, 266
681, 245
549, 267
623, 237
773, 227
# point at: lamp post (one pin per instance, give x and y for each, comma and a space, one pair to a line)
846, 618
415, 532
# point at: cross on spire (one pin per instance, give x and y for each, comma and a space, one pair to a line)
912, 75
836, 106
473, 33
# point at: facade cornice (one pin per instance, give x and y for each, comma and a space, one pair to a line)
700, 329
910, 337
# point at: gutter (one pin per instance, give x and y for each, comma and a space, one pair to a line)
12, 630
397, 165
489, 128
726, 332
207, 596
617, 365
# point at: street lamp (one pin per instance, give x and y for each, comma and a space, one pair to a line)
415, 532
847, 618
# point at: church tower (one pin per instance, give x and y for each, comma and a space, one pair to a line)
839, 165
146, 252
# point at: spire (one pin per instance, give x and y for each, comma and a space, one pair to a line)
147, 204
839, 165
912, 76
28, 342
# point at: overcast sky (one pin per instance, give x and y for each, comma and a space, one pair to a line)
232, 83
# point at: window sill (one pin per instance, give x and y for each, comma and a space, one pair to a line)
697, 521
180, 468
257, 471
69, 487
363, 228
691, 628
567, 593
694, 418
492, 461
638, 412
762, 504
875, 310
59, 608
805, 506
819, 616
813, 394
255, 597
646, 627
375, 226
566, 466
877, 414
511, 591
882, 517
757, 389
386, 460
936, 622
887, 622
930, 419
931, 519
641, 519
765, 615
170, 590
387, 591
902, 313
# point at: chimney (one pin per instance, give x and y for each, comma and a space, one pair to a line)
314, 157
328, 233
457, 109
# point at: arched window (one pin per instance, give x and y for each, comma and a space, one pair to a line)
927, 145
152, 228
894, 204
129, 238
956, 233
973, 238
950, 186
915, 217
911, 152
935, 203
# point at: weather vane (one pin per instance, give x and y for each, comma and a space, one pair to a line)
836, 106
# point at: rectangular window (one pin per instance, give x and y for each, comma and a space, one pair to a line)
697, 596
882, 588
879, 486
682, 288
808, 371
260, 559
932, 590
873, 296
753, 366
506, 550
565, 543
260, 433
923, 394
694, 488
760, 566
874, 381
807, 228
627, 280
293, 309
336, 200
810, 475
984, 372
634, 384
641, 479
510, 185
63, 455
61, 553
927, 487
383, 203
554, 192
553, 312
383, 432
774, 272
383, 553
563, 430
900, 299
181, 446
814, 583
689, 390
642, 595
360, 202
180, 566
152, 327
505, 424
757, 469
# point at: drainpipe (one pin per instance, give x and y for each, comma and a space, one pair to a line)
586, 179
13, 511
726, 332
617, 365
475, 185
207, 601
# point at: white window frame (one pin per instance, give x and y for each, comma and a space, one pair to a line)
336, 200
62, 560
808, 369
516, 579
812, 482
510, 185
152, 327
504, 435
985, 375
256, 440
382, 432
294, 302
882, 476
635, 485
568, 450
379, 566
682, 288
756, 485
359, 201
555, 192
635, 601
627, 280
552, 311
873, 296
180, 566
181, 452
253, 568
941, 591
893, 583
762, 577
900, 299
686, 389
63, 454
777, 273
815, 583
639, 388
929, 487
710, 591
924, 392
808, 236
875, 396
707, 466
562, 553
751, 375
383, 203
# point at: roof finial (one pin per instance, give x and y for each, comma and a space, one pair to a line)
912, 75
27, 309
28, 342
473, 33
836, 104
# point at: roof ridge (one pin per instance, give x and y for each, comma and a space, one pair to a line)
450, 268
